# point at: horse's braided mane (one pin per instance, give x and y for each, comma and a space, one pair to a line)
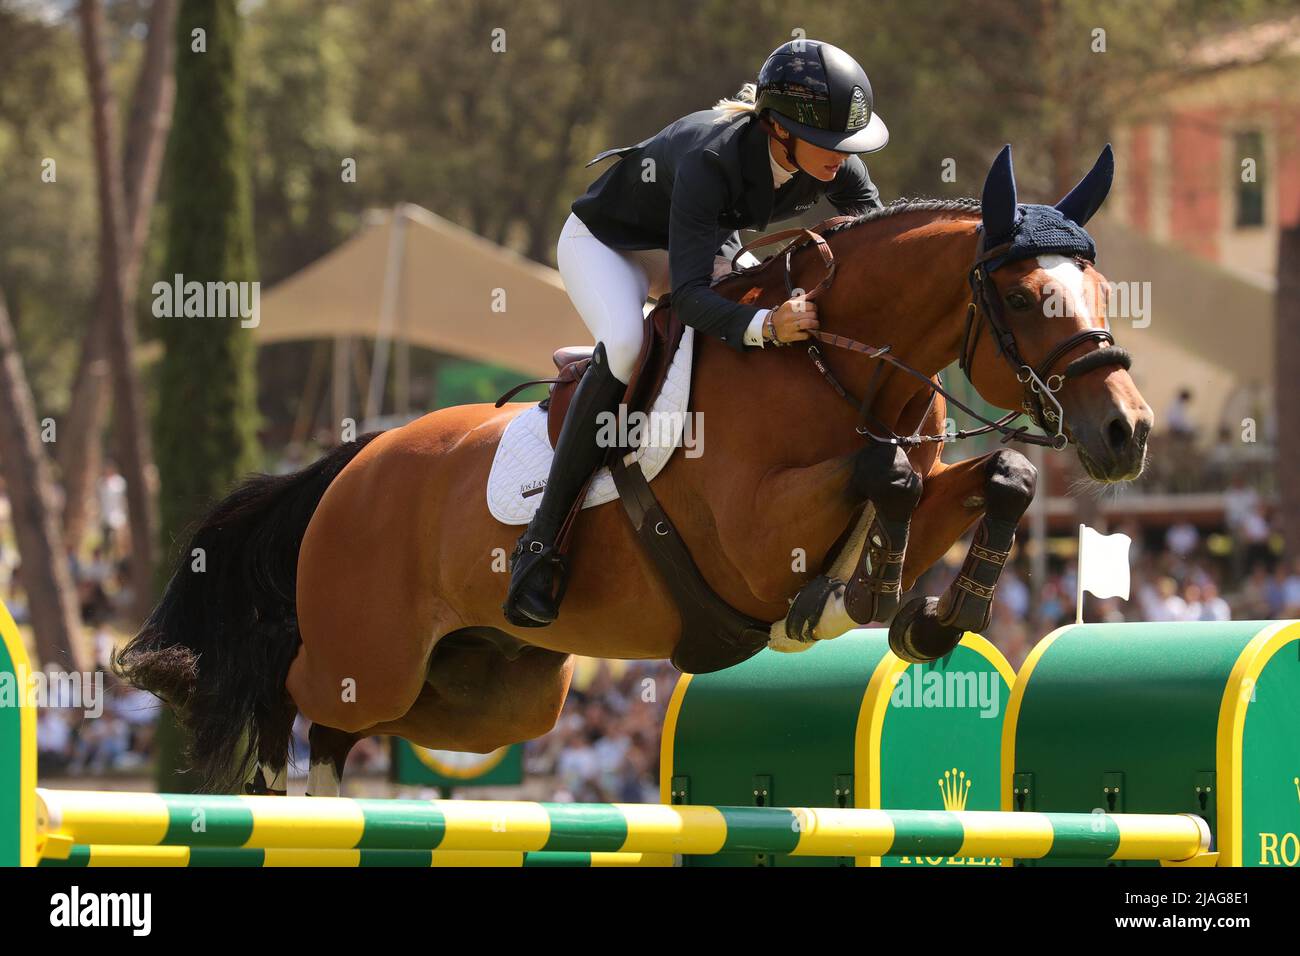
965, 206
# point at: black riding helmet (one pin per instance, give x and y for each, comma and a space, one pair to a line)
820, 94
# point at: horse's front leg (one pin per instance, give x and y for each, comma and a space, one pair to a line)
883, 475
859, 590
1002, 485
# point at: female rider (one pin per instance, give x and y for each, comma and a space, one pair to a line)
657, 220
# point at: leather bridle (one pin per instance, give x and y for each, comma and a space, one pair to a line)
1040, 383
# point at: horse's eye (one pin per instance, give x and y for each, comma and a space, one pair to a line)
1018, 300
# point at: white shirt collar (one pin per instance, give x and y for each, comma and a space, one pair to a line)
780, 175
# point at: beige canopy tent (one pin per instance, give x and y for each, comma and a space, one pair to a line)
410, 277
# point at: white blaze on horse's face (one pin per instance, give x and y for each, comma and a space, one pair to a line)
1068, 282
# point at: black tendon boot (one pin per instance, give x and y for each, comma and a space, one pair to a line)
536, 569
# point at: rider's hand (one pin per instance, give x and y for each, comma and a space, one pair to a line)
794, 319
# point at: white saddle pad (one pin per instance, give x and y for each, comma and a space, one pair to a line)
523, 459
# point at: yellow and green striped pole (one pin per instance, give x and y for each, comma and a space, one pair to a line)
317, 823
96, 855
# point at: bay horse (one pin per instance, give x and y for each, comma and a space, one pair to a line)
365, 591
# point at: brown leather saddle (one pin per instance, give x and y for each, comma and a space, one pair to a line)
662, 335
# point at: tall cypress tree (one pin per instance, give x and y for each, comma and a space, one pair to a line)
207, 416
205, 427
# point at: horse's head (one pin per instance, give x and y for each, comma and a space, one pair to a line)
1040, 339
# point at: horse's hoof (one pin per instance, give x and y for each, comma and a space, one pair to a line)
806, 610
916, 636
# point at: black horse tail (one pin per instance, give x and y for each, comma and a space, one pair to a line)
217, 648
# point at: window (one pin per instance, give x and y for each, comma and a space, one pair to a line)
1250, 195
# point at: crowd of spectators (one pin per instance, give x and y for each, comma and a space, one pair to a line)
118, 741
1185, 457
1175, 576
605, 747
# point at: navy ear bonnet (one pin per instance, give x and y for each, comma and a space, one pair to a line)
1042, 230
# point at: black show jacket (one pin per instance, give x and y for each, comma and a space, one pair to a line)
689, 188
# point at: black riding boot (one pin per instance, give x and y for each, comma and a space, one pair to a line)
536, 570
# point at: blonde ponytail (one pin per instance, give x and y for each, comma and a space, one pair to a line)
742, 102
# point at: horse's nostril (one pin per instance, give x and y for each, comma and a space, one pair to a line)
1118, 433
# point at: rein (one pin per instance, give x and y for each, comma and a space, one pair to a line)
1040, 384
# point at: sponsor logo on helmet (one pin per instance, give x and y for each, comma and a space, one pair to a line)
808, 114
859, 112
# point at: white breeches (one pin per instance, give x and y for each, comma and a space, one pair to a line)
609, 289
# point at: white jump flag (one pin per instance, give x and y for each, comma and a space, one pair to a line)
1103, 566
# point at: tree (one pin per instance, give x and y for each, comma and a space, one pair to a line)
114, 304
45, 574
205, 425
206, 420
146, 140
